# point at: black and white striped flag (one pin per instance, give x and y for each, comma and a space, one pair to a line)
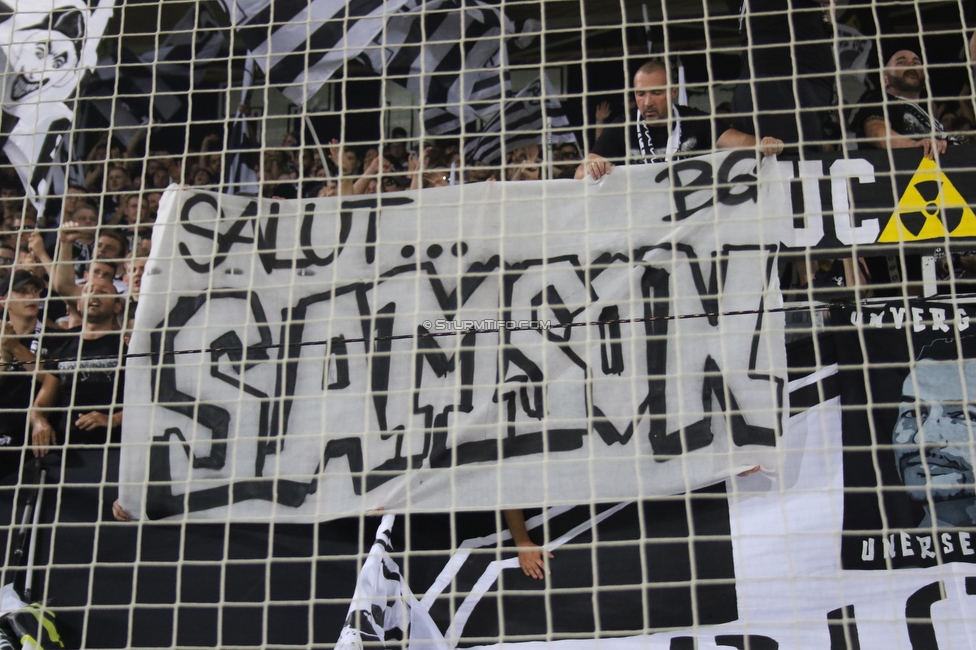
521, 123
132, 90
300, 44
239, 175
452, 53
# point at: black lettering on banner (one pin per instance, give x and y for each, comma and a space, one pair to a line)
372, 203
337, 350
523, 391
612, 363
719, 189
746, 641
531, 393
290, 349
225, 240
669, 445
918, 615
740, 641
470, 280
268, 238
162, 502
215, 418
842, 629
242, 359
435, 425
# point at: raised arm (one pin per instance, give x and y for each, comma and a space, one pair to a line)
36, 244
530, 554
880, 135
735, 139
63, 278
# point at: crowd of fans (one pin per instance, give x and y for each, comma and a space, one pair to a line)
70, 283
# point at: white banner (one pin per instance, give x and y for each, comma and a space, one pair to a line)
480, 346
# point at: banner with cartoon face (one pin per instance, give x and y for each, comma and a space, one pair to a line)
46, 47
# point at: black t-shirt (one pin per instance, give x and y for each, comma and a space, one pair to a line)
906, 118
18, 387
53, 306
92, 379
695, 136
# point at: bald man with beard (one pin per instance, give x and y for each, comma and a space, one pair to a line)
896, 118
80, 401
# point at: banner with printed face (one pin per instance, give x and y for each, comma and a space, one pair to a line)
762, 561
480, 346
908, 460
46, 46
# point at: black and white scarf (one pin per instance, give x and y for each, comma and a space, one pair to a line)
648, 152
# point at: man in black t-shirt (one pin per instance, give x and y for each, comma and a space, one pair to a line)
20, 349
663, 129
895, 118
84, 378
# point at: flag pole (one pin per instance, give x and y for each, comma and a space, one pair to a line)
549, 146
318, 145
647, 29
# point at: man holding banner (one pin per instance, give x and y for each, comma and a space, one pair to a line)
663, 129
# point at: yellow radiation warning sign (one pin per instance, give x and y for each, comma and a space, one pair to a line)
930, 208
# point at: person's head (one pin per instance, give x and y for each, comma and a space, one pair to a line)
45, 58
651, 92
117, 180
100, 304
160, 178
13, 208
350, 162
566, 152
398, 146
26, 220
202, 177
101, 270
904, 75
111, 245
933, 443
87, 219
20, 293
8, 255
136, 209
275, 164
152, 204
135, 266
72, 196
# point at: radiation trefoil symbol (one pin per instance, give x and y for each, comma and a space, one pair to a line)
930, 208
